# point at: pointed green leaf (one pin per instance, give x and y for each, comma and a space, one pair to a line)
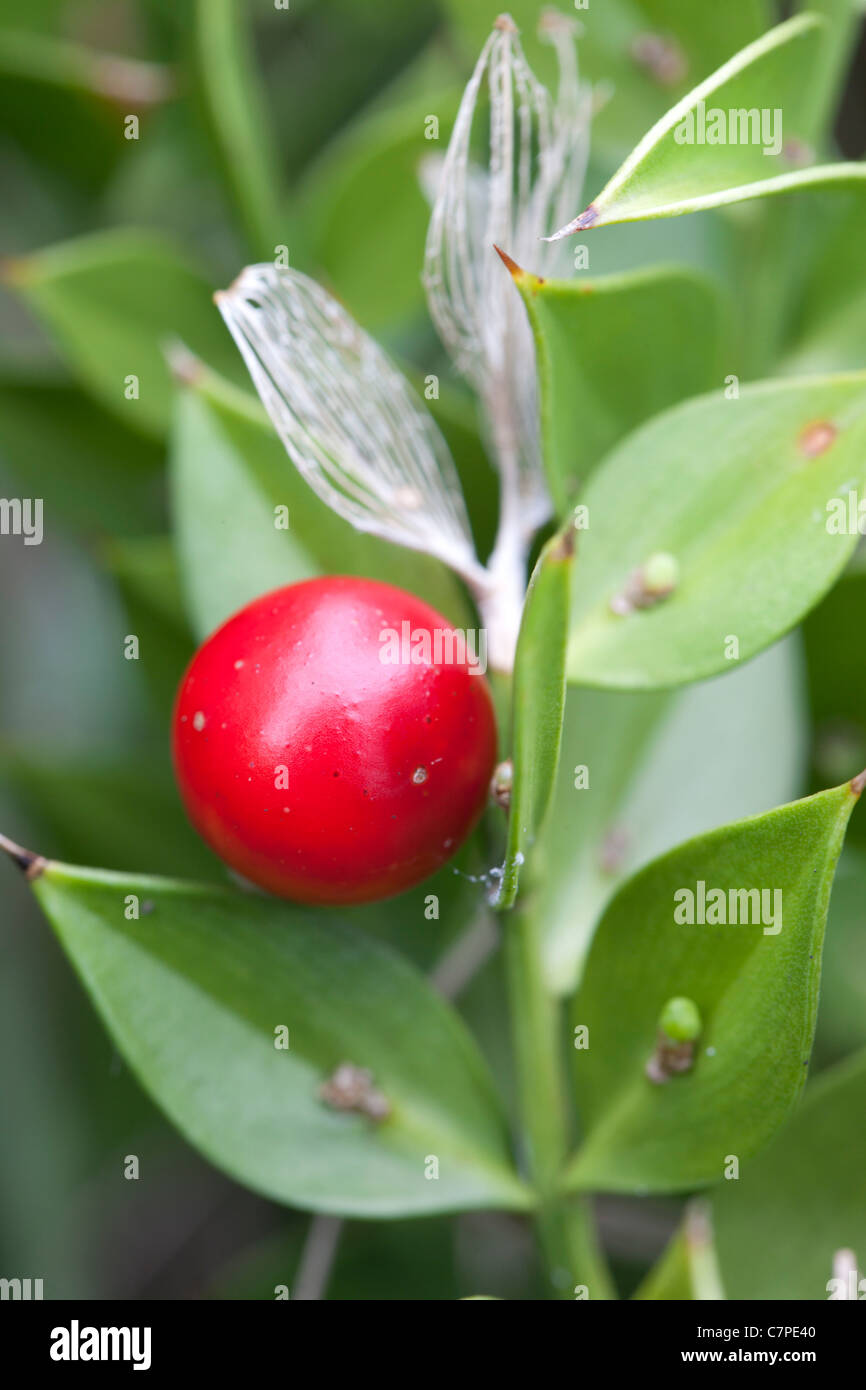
230, 474
88, 469
538, 703
782, 1222
688, 1268
657, 329
637, 774
755, 983
237, 121
739, 134
114, 301
193, 993
739, 492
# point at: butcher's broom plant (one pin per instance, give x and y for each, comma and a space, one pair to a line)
675, 456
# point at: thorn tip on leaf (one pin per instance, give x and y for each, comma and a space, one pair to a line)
511, 265
30, 863
587, 219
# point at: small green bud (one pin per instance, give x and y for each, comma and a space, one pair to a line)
660, 574
680, 1020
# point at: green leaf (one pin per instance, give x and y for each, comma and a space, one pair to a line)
366, 212
842, 1012
229, 473
89, 470
538, 704
755, 984
192, 994
127, 810
237, 120
114, 301
835, 673
829, 333
739, 493
793, 1207
65, 105
638, 774
676, 169
688, 1268
147, 575
657, 329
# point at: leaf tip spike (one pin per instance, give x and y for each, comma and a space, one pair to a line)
30, 864
587, 219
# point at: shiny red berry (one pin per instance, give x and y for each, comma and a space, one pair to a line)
322, 749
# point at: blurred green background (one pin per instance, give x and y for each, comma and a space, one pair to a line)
259, 127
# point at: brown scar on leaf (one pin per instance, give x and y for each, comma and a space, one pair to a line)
858, 783
30, 863
669, 1059
351, 1088
564, 545
816, 438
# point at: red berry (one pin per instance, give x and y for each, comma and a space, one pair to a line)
387, 765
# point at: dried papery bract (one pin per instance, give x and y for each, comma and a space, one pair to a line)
347, 417
536, 158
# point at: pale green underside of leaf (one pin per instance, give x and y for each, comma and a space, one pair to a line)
757, 993
654, 779
779, 1225
842, 177
729, 488
192, 994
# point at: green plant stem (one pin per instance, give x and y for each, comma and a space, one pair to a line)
565, 1225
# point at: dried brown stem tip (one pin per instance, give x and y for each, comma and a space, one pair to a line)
30, 864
